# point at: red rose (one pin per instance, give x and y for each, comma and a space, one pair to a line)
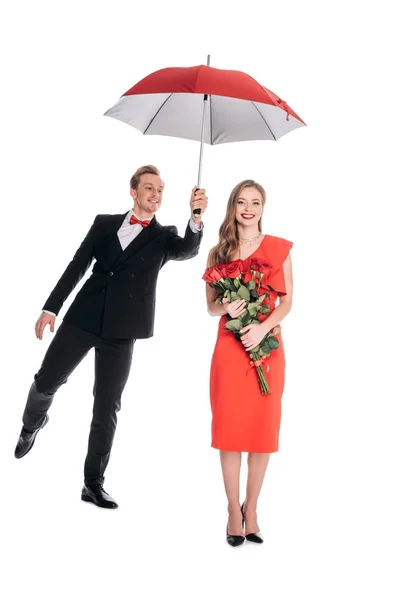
247, 277
207, 277
255, 264
259, 265
212, 274
234, 268
222, 269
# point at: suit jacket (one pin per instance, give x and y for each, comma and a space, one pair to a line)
118, 300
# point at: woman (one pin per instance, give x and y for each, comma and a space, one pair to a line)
244, 420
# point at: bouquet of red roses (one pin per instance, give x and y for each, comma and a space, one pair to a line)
234, 282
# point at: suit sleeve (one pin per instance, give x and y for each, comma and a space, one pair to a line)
73, 273
182, 248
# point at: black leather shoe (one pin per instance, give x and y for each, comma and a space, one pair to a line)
27, 439
252, 537
98, 496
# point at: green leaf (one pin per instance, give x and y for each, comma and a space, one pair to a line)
234, 325
254, 307
254, 321
277, 330
273, 342
265, 345
236, 284
245, 317
251, 284
244, 293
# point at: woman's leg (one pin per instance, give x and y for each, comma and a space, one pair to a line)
230, 462
257, 465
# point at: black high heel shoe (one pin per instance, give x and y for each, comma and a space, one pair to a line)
234, 540
251, 537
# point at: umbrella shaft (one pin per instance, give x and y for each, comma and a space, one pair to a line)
202, 139
202, 132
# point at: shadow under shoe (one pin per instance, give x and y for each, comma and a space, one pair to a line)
27, 439
252, 537
98, 496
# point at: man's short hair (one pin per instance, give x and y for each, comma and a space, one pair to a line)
147, 169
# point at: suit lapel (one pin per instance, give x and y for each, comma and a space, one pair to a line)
145, 237
109, 247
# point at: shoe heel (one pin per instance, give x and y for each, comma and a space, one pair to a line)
256, 538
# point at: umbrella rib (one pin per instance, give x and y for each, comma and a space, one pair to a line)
211, 134
260, 113
152, 119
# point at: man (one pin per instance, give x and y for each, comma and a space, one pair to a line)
113, 308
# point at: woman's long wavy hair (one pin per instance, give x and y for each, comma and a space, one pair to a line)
228, 243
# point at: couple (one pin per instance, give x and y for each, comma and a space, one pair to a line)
116, 306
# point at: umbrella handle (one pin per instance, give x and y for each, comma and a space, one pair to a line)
197, 211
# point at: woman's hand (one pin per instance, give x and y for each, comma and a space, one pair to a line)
251, 335
234, 309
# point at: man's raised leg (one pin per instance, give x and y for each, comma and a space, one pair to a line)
69, 346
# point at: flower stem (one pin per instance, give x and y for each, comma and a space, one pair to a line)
265, 389
262, 381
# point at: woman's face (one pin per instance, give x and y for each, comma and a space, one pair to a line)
249, 207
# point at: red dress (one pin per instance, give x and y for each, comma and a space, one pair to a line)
243, 419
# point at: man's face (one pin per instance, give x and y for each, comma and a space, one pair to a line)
148, 195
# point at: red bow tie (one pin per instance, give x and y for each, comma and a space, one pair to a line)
133, 220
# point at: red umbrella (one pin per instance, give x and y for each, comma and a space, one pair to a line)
202, 103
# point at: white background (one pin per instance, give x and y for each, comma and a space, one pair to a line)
330, 504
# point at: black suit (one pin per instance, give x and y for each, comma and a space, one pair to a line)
113, 308
118, 300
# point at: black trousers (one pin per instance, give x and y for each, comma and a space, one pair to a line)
113, 358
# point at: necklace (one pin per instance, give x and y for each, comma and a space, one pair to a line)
249, 240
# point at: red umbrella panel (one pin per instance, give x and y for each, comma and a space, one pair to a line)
171, 101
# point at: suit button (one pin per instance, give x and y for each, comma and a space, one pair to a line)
111, 273
141, 258
132, 275
103, 289
130, 295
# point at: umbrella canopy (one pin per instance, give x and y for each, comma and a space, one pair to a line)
171, 102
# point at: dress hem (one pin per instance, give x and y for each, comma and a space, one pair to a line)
245, 450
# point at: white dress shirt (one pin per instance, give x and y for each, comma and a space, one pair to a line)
127, 233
